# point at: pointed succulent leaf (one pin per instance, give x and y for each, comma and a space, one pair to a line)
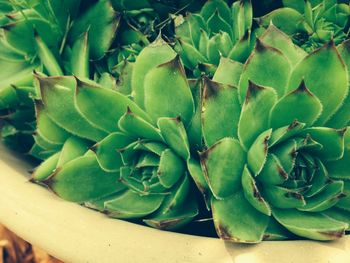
323, 62
197, 174
332, 141
103, 107
257, 153
255, 113
224, 177
306, 108
279, 40
58, 98
167, 92
276, 232
282, 197
153, 55
135, 126
310, 225
220, 111
218, 6
235, 220
286, 153
171, 168
338, 214
46, 127
284, 133
82, 179
106, 151
272, 172
228, 72
264, 62
46, 168
342, 117
73, 147
102, 22
252, 194
174, 134
133, 205
79, 62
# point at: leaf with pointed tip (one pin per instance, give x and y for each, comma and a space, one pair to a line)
252, 194
82, 179
220, 112
170, 169
58, 98
281, 197
228, 72
236, 220
257, 153
332, 141
267, 67
106, 151
279, 40
167, 92
272, 172
255, 113
174, 134
102, 23
306, 108
133, 205
223, 165
137, 127
79, 59
310, 225
47, 128
46, 168
286, 153
339, 215
103, 107
276, 232
73, 147
323, 62
342, 117
153, 55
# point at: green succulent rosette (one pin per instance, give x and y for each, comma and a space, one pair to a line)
217, 31
311, 24
278, 144
128, 159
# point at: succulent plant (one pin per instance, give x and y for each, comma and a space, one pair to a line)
276, 167
311, 24
217, 31
129, 160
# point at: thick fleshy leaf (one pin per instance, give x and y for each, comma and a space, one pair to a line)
47, 128
79, 61
58, 98
102, 22
155, 54
103, 107
46, 168
257, 153
286, 153
252, 193
82, 179
267, 67
167, 92
279, 40
170, 169
342, 117
223, 165
276, 232
310, 225
339, 214
282, 197
325, 199
228, 72
325, 61
236, 220
133, 205
332, 141
306, 108
272, 172
255, 113
284, 133
137, 127
106, 151
174, 134
74, 147
220, 112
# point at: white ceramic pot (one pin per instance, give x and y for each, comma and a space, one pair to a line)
76, 234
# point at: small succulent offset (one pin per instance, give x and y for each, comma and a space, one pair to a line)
277, 167
311, 24
217, 31
127, 159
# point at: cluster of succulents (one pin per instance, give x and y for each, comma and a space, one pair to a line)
169, 113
